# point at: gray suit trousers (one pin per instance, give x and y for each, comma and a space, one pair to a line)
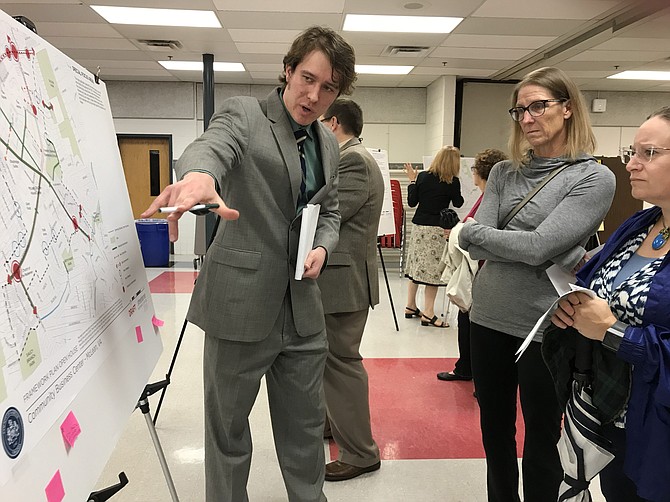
293, 366
345, 383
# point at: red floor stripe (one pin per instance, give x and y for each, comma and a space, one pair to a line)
416, 416
173, 282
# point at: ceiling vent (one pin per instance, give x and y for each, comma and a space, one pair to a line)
406, 51
162, 45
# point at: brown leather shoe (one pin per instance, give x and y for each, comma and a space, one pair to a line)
339, 471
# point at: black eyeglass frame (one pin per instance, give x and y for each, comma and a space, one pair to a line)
520, 111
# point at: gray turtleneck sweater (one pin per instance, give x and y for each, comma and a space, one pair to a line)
512, 290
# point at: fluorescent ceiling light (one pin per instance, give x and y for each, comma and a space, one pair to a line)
158, 17
383, 69
643, 75
197, 66
400, 24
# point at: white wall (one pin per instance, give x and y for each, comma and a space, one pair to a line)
407, 122
403, 142
440, 113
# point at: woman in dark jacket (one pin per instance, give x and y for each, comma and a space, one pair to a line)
631, 317
432, 190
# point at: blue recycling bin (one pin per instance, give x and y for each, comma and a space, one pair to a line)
154, 241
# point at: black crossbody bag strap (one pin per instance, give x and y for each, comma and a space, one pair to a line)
533, 193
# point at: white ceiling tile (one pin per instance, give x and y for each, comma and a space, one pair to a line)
635, 44
78, 30
247, 35
287, 20
475, 53
495, 35
172, 33
465, 72
52, 12
331, 6
156, 4
364, 37
526, 27
118, 64
120, 44
266, 48
452, 8
507, 41
641, 56
564, 9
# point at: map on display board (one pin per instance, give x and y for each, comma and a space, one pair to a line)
77, 343
469, 190
387, 219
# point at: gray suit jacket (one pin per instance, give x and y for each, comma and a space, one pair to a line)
350, 282
249, 148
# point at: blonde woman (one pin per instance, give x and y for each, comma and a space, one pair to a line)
430, 191
550, 131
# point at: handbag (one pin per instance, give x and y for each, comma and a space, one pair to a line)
448, 218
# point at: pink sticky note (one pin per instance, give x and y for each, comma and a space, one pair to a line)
70, 429
157, 322
54, 490
138, 333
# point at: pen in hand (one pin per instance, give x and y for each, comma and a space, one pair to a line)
198, 209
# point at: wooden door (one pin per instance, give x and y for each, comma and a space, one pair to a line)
624, 205
147, 162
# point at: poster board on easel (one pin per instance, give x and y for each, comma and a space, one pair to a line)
78, 341
386, 220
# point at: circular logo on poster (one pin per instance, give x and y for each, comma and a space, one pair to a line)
12, 432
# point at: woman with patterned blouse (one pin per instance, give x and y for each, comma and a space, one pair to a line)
631, 317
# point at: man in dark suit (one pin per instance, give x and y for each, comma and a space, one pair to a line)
258, 320
349, 287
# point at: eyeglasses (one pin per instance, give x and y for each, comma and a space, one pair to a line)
326, 119
535, 109
644, 155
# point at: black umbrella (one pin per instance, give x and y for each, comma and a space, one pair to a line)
583, 450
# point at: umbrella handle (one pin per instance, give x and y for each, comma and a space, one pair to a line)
583, 359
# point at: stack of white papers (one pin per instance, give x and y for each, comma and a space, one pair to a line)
310, 217
549, 311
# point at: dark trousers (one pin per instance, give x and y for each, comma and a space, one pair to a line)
463, 366
497, 378
615, 485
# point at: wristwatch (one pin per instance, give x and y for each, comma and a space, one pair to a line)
614, 335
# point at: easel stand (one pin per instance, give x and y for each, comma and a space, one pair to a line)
143, 405
107, 493
169, 373
388, 288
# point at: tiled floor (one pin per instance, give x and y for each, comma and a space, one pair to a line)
427, 430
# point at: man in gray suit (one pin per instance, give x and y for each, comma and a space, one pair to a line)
349, 287
258, 320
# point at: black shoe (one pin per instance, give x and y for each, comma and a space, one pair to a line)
340, 471
450, 376
425, 321
412, 313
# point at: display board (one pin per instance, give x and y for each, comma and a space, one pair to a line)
386, 220
77, 342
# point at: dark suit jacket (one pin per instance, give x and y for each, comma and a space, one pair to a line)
350, 281
249, 148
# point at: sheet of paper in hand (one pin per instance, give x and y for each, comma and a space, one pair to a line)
549, 311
